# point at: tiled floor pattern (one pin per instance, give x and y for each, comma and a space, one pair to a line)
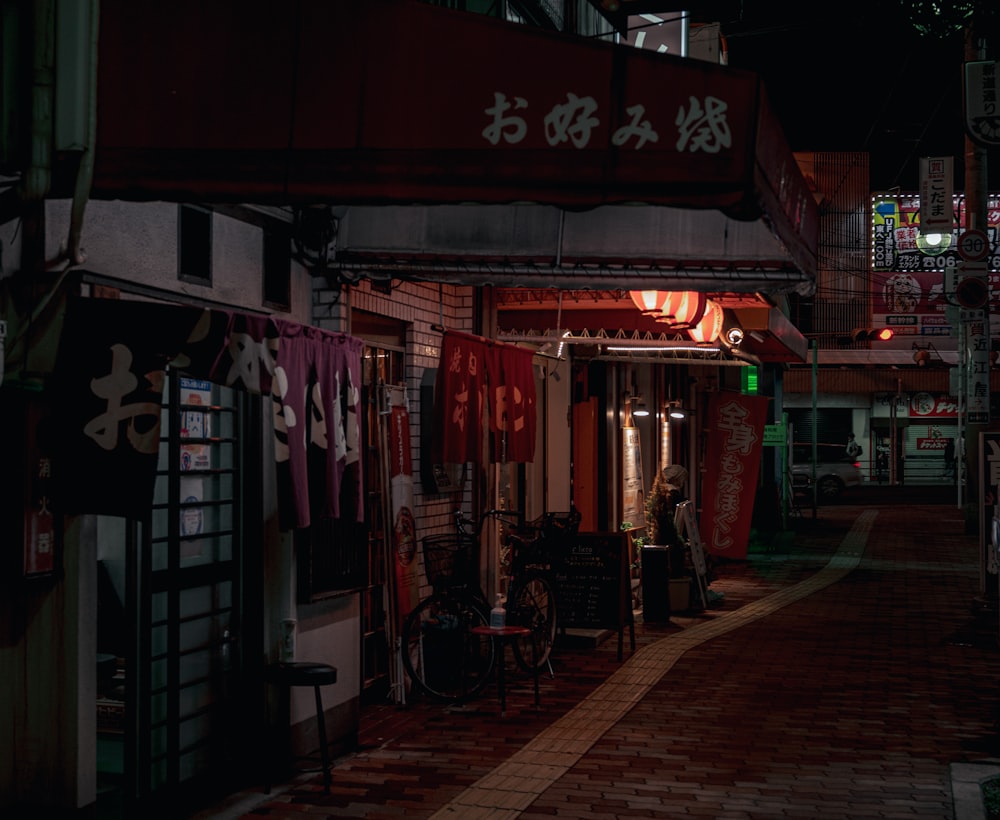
514, 785
852, 698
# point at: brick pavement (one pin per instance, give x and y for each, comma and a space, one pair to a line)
846, 696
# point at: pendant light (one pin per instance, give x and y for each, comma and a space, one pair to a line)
710, 327
683, 309
649, 302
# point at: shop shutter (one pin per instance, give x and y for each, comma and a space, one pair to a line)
833, 424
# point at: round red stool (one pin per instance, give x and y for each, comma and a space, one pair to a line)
502, 635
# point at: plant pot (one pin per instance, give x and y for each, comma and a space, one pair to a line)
655, 591
680, 594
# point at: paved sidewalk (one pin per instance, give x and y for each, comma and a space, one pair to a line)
847, 675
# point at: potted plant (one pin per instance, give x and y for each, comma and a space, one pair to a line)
660, 508
636, 543
660, 505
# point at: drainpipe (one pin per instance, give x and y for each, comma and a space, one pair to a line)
85, 173
38, 175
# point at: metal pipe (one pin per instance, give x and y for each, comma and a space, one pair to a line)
591, 278
85, 173
38, 176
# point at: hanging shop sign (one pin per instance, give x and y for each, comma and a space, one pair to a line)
977, 381
982, 107
482, 382
109, 378
937, 176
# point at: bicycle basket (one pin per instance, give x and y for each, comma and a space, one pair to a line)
555, 525
450, 560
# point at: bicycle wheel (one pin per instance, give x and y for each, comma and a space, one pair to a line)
532, 603
440, 654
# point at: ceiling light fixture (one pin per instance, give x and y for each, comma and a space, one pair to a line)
675, 411
635, 408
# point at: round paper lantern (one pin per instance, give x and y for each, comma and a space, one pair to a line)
683, 309
649, 301
710, 327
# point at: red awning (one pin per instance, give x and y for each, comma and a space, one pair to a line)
399, 102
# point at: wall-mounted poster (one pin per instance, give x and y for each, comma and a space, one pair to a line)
633, 493
195, 424
192, 523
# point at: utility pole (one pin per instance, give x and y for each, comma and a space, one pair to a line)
975, 209
977, 364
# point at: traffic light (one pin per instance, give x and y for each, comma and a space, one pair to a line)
972, 292
869, 334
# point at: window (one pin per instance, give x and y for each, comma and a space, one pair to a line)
194, 240
277, 269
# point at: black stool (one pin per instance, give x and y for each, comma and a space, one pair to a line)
303, 673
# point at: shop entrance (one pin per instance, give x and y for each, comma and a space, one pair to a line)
172, 724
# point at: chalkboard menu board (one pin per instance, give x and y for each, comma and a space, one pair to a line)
592, 584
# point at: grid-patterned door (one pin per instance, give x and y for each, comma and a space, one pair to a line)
185, 597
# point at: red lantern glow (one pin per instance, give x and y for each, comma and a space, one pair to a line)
710, 326
683, 309
649, 302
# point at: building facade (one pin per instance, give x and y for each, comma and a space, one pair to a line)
190, 262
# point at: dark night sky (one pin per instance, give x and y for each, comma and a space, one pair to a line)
859, 77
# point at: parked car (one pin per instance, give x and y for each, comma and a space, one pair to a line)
835, 470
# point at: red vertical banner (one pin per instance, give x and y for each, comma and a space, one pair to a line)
512, 403
461, 383
404, 530
735, 428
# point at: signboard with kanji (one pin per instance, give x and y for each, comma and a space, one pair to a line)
982, 112
937, 176
910, 268
977, 381
775, 435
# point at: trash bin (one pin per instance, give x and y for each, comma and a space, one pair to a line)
655, 584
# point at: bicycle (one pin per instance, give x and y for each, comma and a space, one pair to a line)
440, 653
531, 595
